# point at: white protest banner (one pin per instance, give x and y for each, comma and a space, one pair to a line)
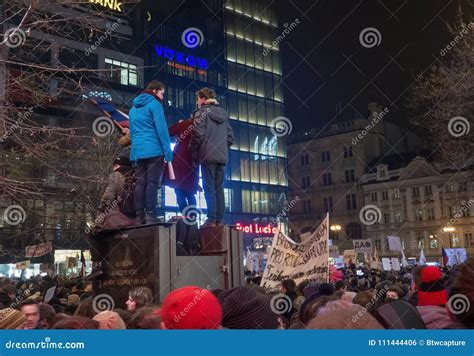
22, 265
395, 264
387, 264
394, 243
456, 256
305, 261
362, 246
38, 250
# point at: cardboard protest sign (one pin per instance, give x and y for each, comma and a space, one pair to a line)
362, 246
305, 261
394, 243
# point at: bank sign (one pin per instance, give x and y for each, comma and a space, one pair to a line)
181, 60
114, 5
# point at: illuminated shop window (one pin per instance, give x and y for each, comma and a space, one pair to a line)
121, 72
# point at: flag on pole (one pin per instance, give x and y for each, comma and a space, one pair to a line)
422, 260
445, 257
404, 260
109, 110
83, 265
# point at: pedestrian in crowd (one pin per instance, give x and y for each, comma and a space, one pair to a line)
30, 310
210, 140
47, 313
244, 308
12, 319
110, 320
461, 292
151, 148
186, 182
139, 297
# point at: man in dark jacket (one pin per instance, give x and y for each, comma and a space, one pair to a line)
210, 140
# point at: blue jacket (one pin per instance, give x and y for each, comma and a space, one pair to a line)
148, 129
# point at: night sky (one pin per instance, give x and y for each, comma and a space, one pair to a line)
324, 63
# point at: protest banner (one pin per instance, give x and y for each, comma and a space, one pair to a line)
22, 265
362, 246
38, 250
456, 256
349, 256
304, 261
394, 243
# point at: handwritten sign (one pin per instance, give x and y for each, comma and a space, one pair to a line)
305, 261
362, 246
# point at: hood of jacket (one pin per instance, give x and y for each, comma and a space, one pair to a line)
143, 100
215, 113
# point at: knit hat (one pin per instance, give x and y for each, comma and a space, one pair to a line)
109, 320
244, 308
191, 308
431, 290
11, 319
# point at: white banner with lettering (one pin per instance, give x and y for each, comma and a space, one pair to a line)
305, 261
456, 256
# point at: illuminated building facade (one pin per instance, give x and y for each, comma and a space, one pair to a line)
233, 53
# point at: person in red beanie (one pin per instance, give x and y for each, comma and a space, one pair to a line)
431, 290
191, 308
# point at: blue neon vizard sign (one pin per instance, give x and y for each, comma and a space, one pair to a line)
180, 57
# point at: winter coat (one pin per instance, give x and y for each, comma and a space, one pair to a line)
148, 129
113, 191
435, 317
212, 135
185, 170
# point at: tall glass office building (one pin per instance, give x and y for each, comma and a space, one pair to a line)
237, 57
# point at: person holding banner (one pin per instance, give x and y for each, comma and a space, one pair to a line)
151, 148
186, 182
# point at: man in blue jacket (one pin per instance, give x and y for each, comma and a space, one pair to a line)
150, 149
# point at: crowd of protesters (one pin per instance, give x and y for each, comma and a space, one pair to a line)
414, 298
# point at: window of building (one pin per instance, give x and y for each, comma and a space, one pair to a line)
451, 211
450, 187
325, 156
454, 240
306, 182
347, 152
396, 193
465, 208
373, 196
327, 202
121, 72
416, 191
386, 218
327, 179
351, 203
431, 214
307, 206
433, 238
418, 215
353, 231
428, 190
469, 239
398, 217
378, 244
462, 186
304, 159
349, 175
421, 241
385, 195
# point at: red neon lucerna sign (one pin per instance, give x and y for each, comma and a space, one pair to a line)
256, 228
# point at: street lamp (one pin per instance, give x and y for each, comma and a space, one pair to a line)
336, 229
